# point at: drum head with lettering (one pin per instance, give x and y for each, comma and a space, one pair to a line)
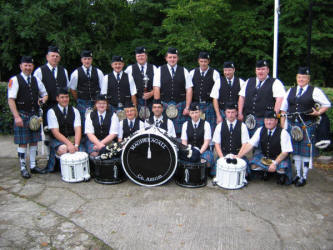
149, 165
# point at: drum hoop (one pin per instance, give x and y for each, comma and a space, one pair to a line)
156, 184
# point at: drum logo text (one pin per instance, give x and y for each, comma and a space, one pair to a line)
145, 140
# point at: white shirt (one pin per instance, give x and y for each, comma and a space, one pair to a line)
120, 128
217, 85
52, 120
157, 77
104, 88
13, 86
277, 87
75, 77
170, 126
317, 95
244, 132
207, 133
89, 127
129, 69
285, 139
38, 73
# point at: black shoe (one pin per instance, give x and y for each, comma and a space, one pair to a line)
37, 170
295, 180
265, 176
282, 179
300, 183
25, 174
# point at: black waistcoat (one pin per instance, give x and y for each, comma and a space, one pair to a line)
257, 100
118, 92
126, 129
87, 89
195, 137
136, 73
227, 93
66, 125
51, 84
101, 131
271, 148
173, 89
27, 95
202, 86
231, 142
163, 125
304, 103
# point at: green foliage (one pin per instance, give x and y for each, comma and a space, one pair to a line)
6, 117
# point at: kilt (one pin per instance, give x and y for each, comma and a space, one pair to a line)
82, 106
23, 135
141, 103
222, 113
259, 123
210, 116
302, 148
180, 119
285, 164
209, 157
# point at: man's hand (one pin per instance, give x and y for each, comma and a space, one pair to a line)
71, 148
219, 119
185, 111
19, 122
272, 168
240, 117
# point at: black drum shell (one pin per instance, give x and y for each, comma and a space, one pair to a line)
197, 176
104, 171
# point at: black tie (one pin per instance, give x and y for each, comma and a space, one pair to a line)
131, 125
65, 113
29, 80
300, 92
142, 71
269, 135
259, 85
53, 72
229, 81
195, 126
173, 72
88, 74
203, 74
101, 117
118, 77
231, 128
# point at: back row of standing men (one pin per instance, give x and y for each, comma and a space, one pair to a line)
170, 83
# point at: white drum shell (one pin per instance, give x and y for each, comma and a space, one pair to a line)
75, 167
230, 176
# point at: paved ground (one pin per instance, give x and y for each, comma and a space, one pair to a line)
46, 213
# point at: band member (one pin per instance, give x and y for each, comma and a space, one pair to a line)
226, 90
24, 92
161, 120
101, 126
230, 135
65, 125
119, 86
260, 92
173, 85
274, 145
197, 132
131, 124
203, 79
302, 98
138, 71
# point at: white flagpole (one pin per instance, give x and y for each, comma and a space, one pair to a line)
276, 36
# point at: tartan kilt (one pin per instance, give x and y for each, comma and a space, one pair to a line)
222, 112
302, 148
259, 123
180, 119
82, 106
209, 157
52, 157
141, 103
210, 116
90, 146
23, 135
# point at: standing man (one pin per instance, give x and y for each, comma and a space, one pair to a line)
173, 85
261, 92
203, 79
138, 70
24, 91
226, 90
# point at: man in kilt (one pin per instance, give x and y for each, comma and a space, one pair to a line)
65, 124
259, 93
101, 126
24, 91
172, 84
226, 90
274, 144
138, 71
203, 79
302, 98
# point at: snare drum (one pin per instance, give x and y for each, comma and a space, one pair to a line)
191, 174
108, 171
230, 175
75, 167
149, 158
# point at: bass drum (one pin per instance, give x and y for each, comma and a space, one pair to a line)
149, 158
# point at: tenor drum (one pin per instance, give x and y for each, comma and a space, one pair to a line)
230, 175
149, 158
191, 174
75, 167
108, 171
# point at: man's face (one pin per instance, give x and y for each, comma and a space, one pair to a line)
270, 123
141, 58
262, 73
171, 59
130, 113
117, 66
101, 106
27, 68
87, 61
231, 114
195, 115
229, 73
302, 80
63, 100
203, 63
157, 109
53, 58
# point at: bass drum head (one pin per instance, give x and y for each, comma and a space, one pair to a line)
154, 171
